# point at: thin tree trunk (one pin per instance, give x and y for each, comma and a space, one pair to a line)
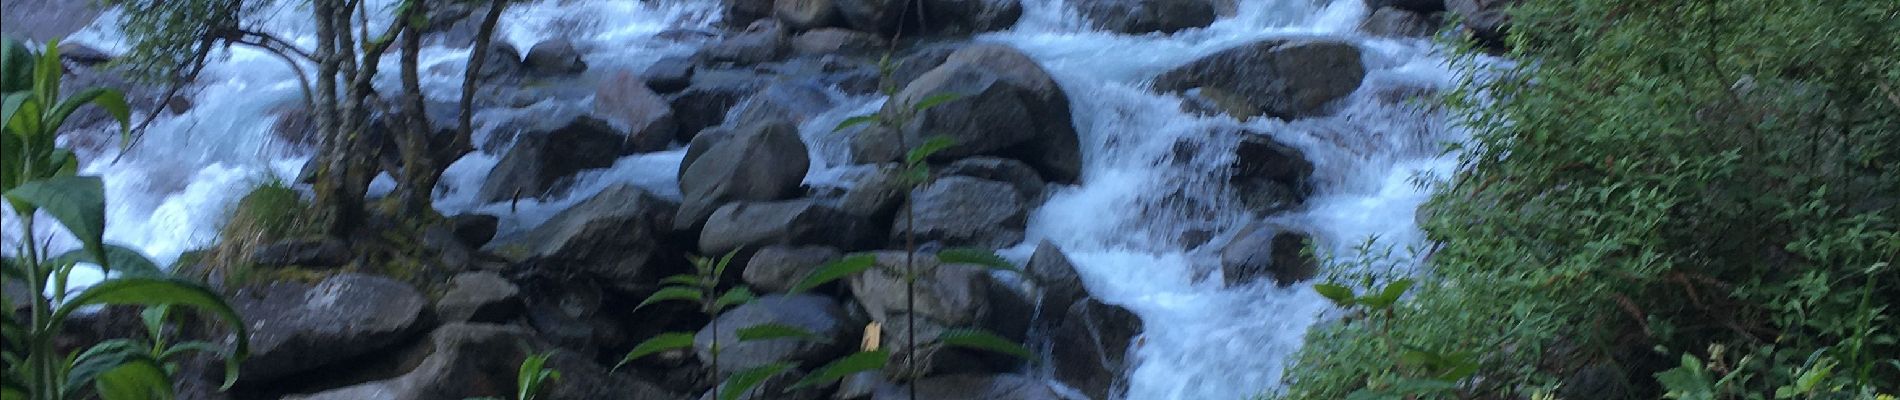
418, 163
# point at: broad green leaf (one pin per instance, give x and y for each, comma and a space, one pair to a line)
110, 100
776, 331
929, 147
78, 202
687, 280
843, 267
11, 161
981, 340
532, 374
97, 360
719, 268
663, 342
16, 66
125, 261
1339, 294
154, 319
736, 296
1390, 294
975, 256
743, 381
672, 293
140, 378
47, 72
838, 369
10, 105
854, 121
152, 291
934, 100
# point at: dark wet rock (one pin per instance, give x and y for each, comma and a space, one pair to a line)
613, 236
1015, 173
554, 57
1267, 250
482, 360
1392, 22
759, 162
1146, 16
501, 61
762, 41
540, 162
479, 297
1417, 6
742, 12
1052, 271
836, 41
474, 230
775, 269
949, 294
669, 75
814, 314
625, 102
1268, 176
1277, 78
83, 54
876, 195
920, 61
318, 252
296, 327
964, 211
968, 17
973, 387
1090, 348
806, 14
787, 100
748, 226
998, 89
1487, 19
712, 93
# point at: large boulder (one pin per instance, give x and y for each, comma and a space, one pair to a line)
625, 102
1016, 173
761, 161
965, 211
1267, 250
1090, 347
762, 41
479, 297
1055, 275
812, 313
806, 14
1278, 78
539, 162
482, 361
1145, 16
613, 236
775, 269
747, 226
1487, 19
972, 387
1007, 105
711, 95
948, 295
554, 57
1269, 176
669, 75
876, 194
296, 327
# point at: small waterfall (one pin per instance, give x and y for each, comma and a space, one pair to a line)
1144, 226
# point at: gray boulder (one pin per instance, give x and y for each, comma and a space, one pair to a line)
824, 41
1055, 275
1393, 22
479, 297
748, 226
814, 314
1278, 78
669, 75
539, 162
762, 41
761, 161
1267, 250
613, 236
1090, 347
1007, 106
1016, 173
625, 102
775, 269
482, 360
296, 327
554, 57
972, 387
1146, 16
712, 93
876, 195
964, 211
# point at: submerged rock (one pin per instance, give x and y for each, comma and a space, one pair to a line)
554, 57
1269, 176
1090, 348
1278, 78
1267, 250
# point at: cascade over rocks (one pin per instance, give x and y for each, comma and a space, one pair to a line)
747, 226
614, 236
760, 161
482, 360
625, 102
1278, 78
502, 62
713, 92
1000, 89
1090, 347
972, 387
1146, 16
1267, 250
965, 211
775, 269
1268, 176
815, 314
1055, 275
554, 57
297, 327
538, 163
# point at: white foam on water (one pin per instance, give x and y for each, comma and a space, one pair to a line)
1127, 225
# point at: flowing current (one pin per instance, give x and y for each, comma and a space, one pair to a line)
1124, 225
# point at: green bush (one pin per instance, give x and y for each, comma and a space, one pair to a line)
1651, 185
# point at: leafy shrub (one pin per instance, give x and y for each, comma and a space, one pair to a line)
1655, 182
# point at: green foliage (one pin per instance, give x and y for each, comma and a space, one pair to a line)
533, 376
167, 34
36, 176
1651, 180
702, 288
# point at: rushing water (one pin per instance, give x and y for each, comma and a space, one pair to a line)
1202, 341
